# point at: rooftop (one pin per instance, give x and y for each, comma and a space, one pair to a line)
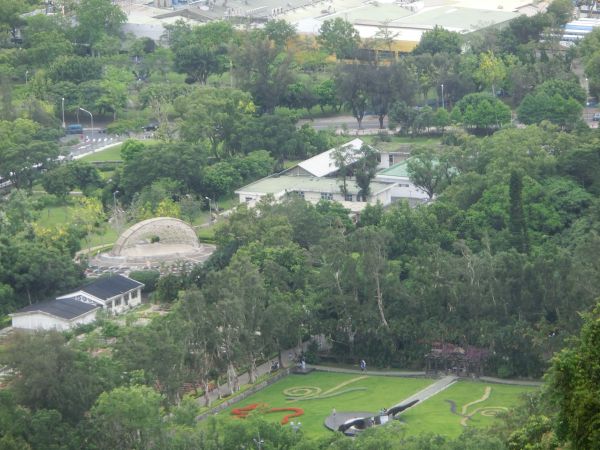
66, 308
110, 286
281, 184
397, 170
323, 164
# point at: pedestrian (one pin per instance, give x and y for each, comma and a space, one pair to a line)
363, 365
333, 413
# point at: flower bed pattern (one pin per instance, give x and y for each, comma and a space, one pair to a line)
243, 412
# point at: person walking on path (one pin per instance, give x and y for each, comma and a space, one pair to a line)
363, 365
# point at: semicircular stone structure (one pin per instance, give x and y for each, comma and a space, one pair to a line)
164, 230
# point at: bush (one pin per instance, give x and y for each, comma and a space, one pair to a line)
148, 277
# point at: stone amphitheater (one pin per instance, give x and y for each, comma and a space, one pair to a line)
161, 243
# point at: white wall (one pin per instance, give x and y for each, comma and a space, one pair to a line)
124, 302
41, 321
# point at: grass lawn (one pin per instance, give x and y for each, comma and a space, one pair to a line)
396, 141
53, 216
110, 154
374, 394
434, 414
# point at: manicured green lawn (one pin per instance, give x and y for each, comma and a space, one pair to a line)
110, 154
434, 414
375, 393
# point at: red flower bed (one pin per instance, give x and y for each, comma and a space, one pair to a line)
242, 413
297, 412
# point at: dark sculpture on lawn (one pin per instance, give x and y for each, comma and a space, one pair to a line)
356, 425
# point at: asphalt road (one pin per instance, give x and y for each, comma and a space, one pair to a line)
335, 123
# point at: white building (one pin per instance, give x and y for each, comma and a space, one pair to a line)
115, 293
315, 179
57, 314
404, 188
314, 189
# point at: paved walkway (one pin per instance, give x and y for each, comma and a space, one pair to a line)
262, 369
387, 373
431, 390
512, 382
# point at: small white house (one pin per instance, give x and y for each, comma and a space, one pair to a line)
114, 293
56, 314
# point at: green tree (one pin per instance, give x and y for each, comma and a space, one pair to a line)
213, 114
573, 386
128, 418
24, 153
93, 30
439, 40
429, 170
52, 375
492, 71
483, 112
517, 224
365, 169
264, 71
200, 51
352, 87
280, 32
339, 37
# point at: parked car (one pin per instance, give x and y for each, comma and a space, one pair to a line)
74, 128
150, 127
596, 117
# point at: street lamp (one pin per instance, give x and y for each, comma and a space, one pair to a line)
63, 112
259, 442
92, 119
443, 105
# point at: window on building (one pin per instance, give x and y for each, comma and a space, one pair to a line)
326, 196
301, 194
118, 301
249, 199
391, 159
348, 197
378, 157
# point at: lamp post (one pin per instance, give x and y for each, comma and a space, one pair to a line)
92, 120
443, 104
63, 111
26, 76
259, 442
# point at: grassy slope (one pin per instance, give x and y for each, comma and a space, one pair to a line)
110, 154
434, 414
381, 392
